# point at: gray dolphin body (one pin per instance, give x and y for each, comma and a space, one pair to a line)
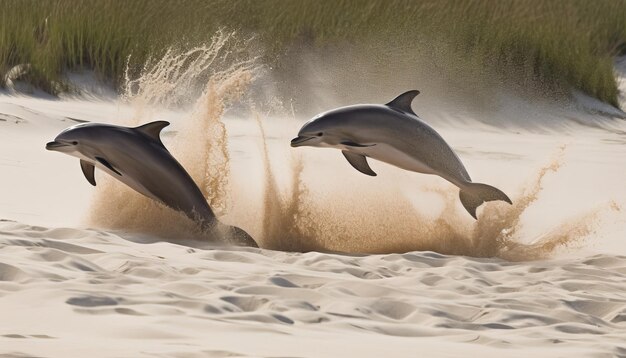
138, 158
394, 134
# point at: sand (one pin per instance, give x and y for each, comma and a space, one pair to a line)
67, 290
349, 265
70, 292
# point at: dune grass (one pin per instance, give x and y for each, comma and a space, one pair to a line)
560, 43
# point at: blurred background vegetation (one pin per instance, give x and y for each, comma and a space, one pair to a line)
559, 44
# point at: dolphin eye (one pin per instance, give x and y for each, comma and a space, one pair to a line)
75, 143
320, 134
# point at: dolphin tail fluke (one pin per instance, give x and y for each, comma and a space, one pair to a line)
230, 234
474, 194
241, 238
221, 232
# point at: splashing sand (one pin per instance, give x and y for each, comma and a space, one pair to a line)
287, 223
170, 83
384, 222
341, 219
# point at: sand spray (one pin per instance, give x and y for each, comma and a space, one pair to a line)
294, 218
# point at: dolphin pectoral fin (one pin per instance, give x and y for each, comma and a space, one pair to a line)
352, 144
359, 162
108, 165
88, 170
403, 101
153, 129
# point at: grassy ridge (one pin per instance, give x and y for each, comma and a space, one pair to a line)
565, 44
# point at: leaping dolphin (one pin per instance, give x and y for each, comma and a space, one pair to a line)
138, 158
394, 134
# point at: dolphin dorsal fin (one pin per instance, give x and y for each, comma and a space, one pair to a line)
403, 101
153, 129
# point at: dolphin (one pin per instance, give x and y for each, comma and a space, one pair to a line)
138, 158
394, 134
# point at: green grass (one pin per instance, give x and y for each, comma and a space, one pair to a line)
562, 44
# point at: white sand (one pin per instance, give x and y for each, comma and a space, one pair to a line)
69, 292
134, 288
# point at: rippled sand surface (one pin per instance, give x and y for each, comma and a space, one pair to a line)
69, 292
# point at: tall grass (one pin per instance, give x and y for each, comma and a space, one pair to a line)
560, 43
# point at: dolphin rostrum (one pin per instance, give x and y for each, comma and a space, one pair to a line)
138, 158
394, 134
